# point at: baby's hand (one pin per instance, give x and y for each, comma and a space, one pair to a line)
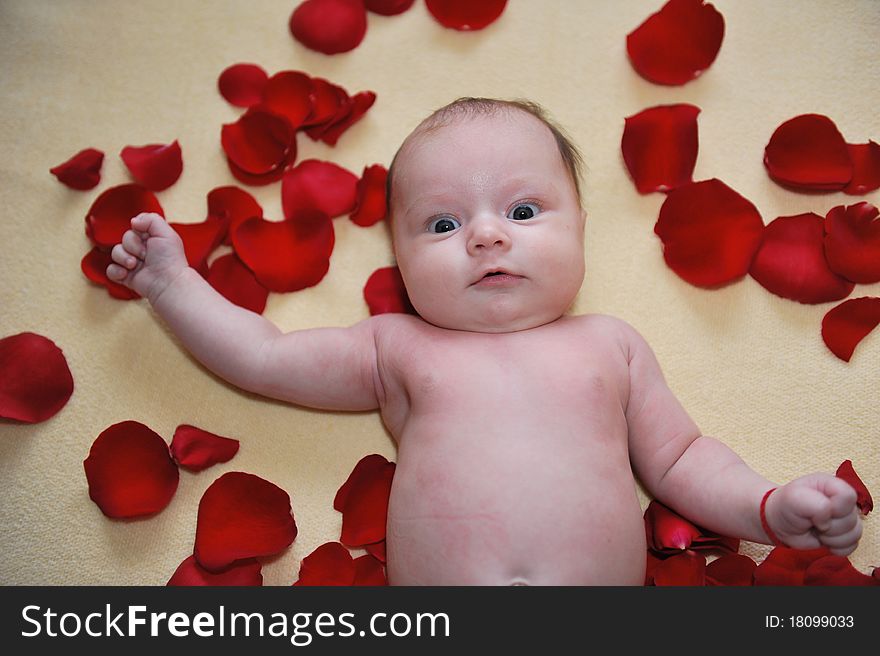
814, 511
150, 256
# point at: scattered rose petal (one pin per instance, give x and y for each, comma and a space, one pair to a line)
686, 568
370, 204
35, 381
650, 566
385, 292
242, 516
155, 166
808, 152
329, 564
110, 215
82, 171
229, 276
317, 185
844, 326
199, 241
243, 573
709, 232
866, 168
94, 265
369, 571
666, 529
259, 143
785, 566
196, 449
329, 101
329, 26
791, 263
130, 471
677, 43
232, 205
353, 111
852, 242
388, 7
836, 570
242, 84
659, 147
377, 551
465, 15
261, 179
363, 501
863, 498
288, 94
731, 569
289, 255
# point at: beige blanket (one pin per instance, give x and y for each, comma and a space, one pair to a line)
750, 367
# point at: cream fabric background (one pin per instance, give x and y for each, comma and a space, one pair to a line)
750, 367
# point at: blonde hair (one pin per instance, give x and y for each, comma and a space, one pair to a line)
468, 107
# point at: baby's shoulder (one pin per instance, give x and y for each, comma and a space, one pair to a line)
602, 325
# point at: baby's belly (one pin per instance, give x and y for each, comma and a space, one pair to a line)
514, 506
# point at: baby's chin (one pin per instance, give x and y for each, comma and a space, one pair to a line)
484, 324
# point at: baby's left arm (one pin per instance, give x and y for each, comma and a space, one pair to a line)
706, 482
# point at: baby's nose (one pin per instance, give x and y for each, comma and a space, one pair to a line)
488, 233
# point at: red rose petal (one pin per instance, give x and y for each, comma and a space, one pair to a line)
351, 114
289, 255
130, 471
242, 516
259, 142
199, 241
94, 265
385, 292
677, 43
288, 94
665, 529
388, 7
863, 496
329, 564
791, 263
659, 147
110, 215
785, 566
82, 171
852, 242
866, 168
377, 550
155, 166
836, 570
709, 232
329, 101
329, 26
686, 568
466, 15
808, 152
731, 569
229, 276
369, 571
35, 381
258, 180
196, 449
363, 501
370, 203
317, 185
844, 326
243, 573
232, 205
242, 84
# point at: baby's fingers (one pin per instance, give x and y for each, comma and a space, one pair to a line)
123, 257
116, 273
845, 543
134, 244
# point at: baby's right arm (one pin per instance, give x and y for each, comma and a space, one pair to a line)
329, 368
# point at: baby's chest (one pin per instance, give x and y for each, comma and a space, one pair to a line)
515, 379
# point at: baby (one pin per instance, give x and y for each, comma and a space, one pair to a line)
519, 428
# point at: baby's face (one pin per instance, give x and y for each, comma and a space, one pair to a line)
488, 230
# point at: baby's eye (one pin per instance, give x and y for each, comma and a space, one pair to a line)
524, 211
443, 224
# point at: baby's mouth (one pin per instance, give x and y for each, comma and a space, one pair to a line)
497, 277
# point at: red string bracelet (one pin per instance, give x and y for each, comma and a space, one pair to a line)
769, 531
